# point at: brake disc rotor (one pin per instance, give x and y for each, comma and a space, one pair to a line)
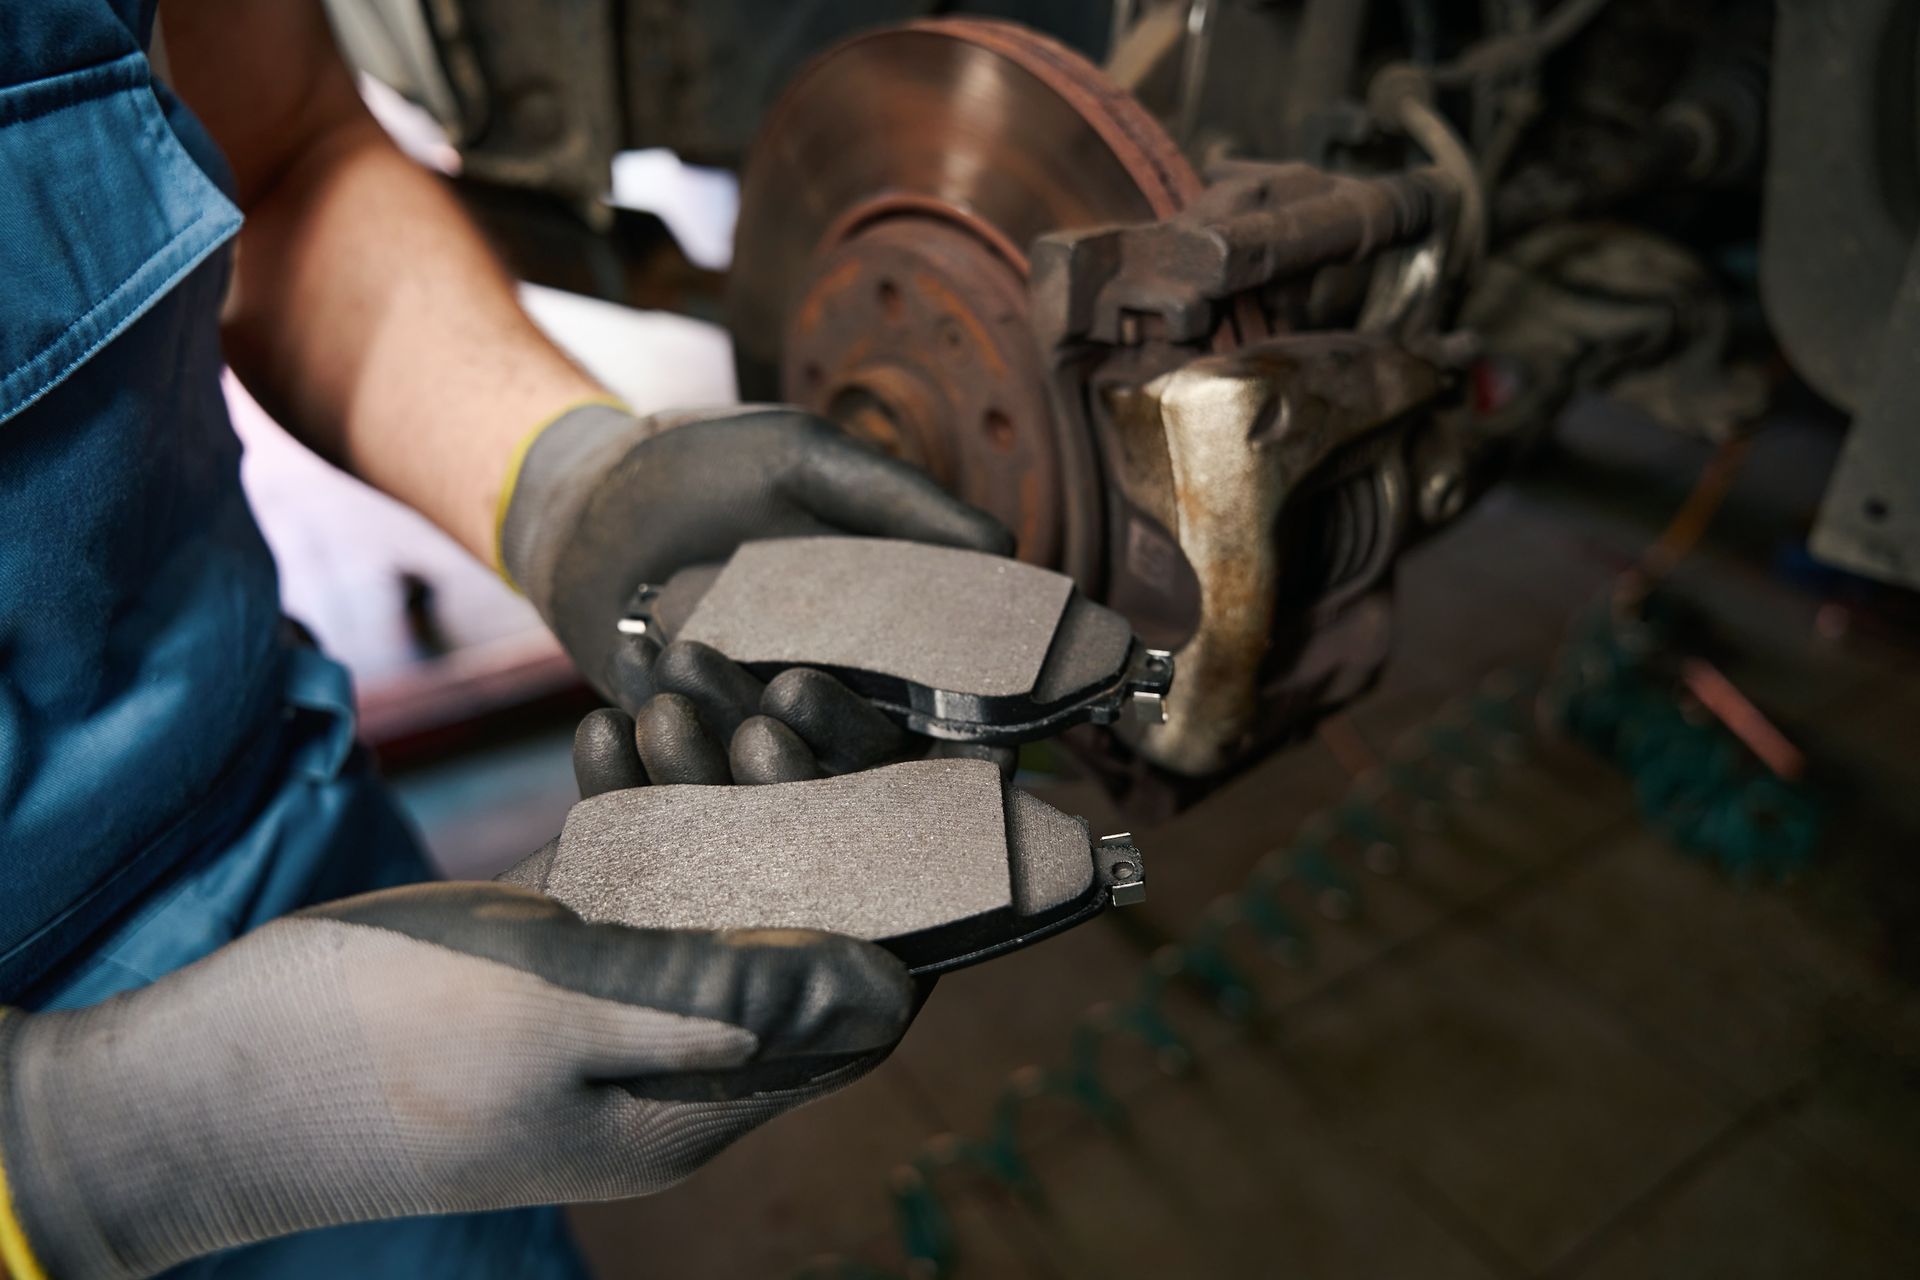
880, 263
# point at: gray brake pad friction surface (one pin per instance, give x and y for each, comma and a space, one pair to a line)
1047, 864
986, 630
879, 854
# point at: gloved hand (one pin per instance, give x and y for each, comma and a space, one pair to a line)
603, 501
710, 721
430, 1049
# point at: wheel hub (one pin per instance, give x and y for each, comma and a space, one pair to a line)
913, 335
880, 273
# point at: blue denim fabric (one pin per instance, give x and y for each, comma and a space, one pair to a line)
139, 662
170, 775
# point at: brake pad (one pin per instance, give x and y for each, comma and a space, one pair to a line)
937, 860
953, 644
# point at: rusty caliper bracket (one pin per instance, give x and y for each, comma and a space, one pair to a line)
962, 242
1210, 457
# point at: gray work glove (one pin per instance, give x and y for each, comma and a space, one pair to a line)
431, 1049
710, 721
603, 502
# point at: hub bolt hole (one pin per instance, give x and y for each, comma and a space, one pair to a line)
999, 428
890, 301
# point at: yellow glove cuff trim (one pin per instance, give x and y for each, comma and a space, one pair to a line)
516, 460
15, 1256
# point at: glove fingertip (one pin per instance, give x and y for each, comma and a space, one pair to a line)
724, 692
674, 746
843, 730
605, 755
765, 751
630, 672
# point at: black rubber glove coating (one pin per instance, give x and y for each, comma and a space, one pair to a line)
630, 672
809, 726
801, 993
845, 732
764, 750
605, 755
720, 690
843, 729
675, 747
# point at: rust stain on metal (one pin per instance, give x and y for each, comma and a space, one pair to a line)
963, 312
812, 311
1129, 130
899, 204
1034, 510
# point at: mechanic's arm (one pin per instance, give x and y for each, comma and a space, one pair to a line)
438, 1048
370, 319
367, 316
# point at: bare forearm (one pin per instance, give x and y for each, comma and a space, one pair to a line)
369, 317
367, 314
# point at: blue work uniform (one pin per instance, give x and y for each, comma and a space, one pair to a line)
173, 771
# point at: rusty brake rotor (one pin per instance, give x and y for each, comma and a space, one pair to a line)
880, 262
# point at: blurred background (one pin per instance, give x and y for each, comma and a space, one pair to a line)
1565, 924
